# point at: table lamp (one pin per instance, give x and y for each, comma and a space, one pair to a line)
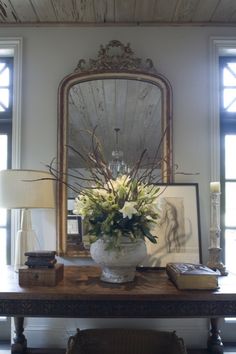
25, 189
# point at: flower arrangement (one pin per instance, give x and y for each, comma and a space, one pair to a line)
124, 207
114, 207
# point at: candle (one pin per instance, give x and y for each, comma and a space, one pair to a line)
215, 187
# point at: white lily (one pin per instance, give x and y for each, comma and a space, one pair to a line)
128, 209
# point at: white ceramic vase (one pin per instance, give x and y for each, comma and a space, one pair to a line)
118, 266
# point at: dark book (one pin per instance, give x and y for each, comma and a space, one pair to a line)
39, 259
192, 276
40, 263
40, 254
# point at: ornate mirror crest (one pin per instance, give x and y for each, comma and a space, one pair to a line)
115, 56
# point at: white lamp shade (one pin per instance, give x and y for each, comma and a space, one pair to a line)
26, 189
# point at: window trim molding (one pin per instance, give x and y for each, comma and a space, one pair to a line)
14, 45
219, 46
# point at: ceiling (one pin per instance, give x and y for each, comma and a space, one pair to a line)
118, 12
133, 106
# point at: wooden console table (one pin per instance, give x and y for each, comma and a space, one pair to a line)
82, 295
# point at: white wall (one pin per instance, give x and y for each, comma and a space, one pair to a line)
182, 55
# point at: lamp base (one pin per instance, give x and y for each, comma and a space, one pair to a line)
215, 262
26, 240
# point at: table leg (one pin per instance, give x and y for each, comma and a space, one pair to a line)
214, 343
20, 343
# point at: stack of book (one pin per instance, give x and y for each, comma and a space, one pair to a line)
41, 259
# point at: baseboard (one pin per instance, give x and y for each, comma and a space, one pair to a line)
5, 344
55, 332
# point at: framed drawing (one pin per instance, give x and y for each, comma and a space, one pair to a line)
178, 229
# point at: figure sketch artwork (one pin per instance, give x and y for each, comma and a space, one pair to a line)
178, 229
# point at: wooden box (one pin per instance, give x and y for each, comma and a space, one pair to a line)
41, 276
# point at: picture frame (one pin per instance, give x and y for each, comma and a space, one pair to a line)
74, 226
76, 242
75, 237
178, 229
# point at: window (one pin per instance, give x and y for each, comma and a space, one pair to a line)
228, 157
6, 88
220, 48
6, 99
10, 142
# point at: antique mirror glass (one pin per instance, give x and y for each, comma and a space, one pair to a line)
129, 105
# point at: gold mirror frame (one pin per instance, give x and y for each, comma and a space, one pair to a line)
121, 65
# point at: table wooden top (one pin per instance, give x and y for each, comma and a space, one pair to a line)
82, 294
83, 282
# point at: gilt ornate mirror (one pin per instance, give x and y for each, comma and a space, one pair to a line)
130, 104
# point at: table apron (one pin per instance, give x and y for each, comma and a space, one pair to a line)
116, 308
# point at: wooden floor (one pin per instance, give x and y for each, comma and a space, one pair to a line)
37, 351
58, 351
4, 349
61, 351
229, 350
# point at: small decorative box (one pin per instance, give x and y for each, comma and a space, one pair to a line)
41, 276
